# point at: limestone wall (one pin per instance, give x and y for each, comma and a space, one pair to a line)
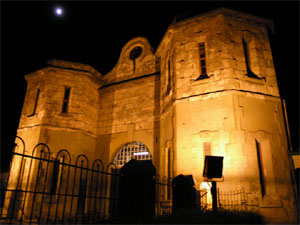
231, 126
129, 112
129, 102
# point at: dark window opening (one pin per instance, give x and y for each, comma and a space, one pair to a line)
247, 59
134, 54
203, 73
169, 78
203, 70
169, 174
66, 100
35, 103
260, 168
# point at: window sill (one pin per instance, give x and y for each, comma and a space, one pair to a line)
255, 80
202, 77
202, 80
65, 114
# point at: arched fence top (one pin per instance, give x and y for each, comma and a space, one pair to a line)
111, 166
81, 159
167, 180
64, 154
42, 150
98, 162
23, 144
163, 180
157, 178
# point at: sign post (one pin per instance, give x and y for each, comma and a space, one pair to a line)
213, 168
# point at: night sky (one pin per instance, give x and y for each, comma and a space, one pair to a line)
94, 33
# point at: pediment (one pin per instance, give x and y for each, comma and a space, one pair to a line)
136, 59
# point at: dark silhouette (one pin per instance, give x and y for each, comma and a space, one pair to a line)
137, 189
184, 193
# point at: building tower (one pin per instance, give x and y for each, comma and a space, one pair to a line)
219, 97
60, 111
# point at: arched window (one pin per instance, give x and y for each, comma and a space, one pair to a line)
134, 150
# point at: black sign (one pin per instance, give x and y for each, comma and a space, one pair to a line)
213, 166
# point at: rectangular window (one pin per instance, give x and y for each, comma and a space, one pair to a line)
260, 168
169, 78
35, 103
203, 72
169, 174
202, 59
66, 100
247, 60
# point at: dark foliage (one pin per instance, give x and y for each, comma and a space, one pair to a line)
195, 217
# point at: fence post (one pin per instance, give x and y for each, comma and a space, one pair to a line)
214, 196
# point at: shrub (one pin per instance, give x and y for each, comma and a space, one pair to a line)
210, 217
194, 217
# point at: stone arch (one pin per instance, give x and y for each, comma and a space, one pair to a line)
136, 59
132, 150
136, 42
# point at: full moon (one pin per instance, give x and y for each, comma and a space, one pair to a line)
58, 11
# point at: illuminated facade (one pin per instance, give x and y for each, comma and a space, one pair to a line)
209, 89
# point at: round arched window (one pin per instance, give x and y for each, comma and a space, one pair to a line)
134, 150
135, 52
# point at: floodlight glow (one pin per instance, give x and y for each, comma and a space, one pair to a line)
140, 153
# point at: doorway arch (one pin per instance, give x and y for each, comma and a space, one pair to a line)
132, 150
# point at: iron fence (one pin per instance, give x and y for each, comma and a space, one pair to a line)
164, 195
232, 200
201, 199
47, 188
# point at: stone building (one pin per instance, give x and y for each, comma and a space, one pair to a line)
209, 89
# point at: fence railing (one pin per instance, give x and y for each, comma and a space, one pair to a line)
164, 195
201, 200
44, 187
47, 188
232, 200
